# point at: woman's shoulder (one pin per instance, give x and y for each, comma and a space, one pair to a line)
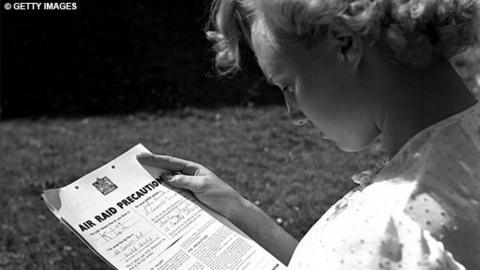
444, 163
427, 195
368, 229
456, 137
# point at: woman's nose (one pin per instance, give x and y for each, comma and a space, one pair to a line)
295, 114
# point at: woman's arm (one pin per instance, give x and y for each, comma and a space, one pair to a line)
264, 230
223, 199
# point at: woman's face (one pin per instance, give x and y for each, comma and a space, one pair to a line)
322, 86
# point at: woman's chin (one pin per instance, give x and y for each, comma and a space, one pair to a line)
351, 143
355, 144
350, 147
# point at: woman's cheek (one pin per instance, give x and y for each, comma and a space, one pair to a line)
314, 107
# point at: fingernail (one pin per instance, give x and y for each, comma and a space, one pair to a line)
173, 178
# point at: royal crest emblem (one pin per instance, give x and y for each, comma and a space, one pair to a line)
104, 185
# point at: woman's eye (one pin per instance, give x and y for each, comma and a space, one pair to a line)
286, 89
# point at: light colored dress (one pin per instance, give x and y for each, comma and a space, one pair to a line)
421, 211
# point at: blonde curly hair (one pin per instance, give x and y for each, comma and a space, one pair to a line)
415, 32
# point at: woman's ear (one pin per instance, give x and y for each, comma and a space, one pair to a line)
349, 49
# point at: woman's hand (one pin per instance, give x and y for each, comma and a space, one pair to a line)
204, 184
223, 199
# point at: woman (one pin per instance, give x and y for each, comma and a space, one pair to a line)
357, 69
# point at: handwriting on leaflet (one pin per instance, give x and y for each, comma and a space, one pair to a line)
124, 239
109, 212
171, 212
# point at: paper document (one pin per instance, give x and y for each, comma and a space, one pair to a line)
132, 220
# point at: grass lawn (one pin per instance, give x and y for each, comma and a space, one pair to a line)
290, 172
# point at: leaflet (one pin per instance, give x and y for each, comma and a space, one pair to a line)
132, 220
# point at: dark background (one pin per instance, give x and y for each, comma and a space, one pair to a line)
117, 57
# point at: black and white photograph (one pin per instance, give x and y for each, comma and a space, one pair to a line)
240, 135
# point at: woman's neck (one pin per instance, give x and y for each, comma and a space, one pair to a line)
420, 98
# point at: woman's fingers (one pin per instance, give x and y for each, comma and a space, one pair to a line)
168, 163
196, 184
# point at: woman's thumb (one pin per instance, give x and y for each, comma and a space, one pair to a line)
189, 182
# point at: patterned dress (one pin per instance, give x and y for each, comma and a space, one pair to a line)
421, 211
